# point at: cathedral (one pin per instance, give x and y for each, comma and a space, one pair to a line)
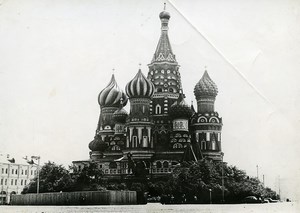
161, 130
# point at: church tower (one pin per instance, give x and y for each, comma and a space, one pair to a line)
109, 100
164, 74
139, 123
206, 123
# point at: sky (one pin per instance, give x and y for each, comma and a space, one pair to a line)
56, 56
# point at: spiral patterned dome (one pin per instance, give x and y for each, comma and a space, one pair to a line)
164, 14
97, 145
180, 110
111, 95
205, 87
120, 115
140, 87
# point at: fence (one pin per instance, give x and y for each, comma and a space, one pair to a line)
77, 198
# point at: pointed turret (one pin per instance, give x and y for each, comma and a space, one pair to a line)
163, 50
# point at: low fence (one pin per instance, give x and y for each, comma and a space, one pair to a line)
77, 198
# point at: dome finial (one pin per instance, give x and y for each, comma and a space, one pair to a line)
113, 71
165, 6
140, 66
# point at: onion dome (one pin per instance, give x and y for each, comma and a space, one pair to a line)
140, 87
164, 15
180, 110
97, 144
205, 87
120, 115
111, 95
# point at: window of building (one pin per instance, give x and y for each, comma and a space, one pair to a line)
112, 165
177, 146
12, 182
12, 171
166, 164
1, 181
158, 109
16, 171
2, 170
22, 172
25, 181
134, 138
21, 182
31, 172
5, 181
16, 181
158, 164
5, 171
25, 172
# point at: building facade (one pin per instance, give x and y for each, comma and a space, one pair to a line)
14, 176
161, 129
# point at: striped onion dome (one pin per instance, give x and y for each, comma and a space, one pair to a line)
120, 115
205, 87
111, 95
180, 109
97, 144
140, 87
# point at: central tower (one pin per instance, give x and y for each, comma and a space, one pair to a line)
164, 74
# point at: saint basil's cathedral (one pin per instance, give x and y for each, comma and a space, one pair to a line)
161, 130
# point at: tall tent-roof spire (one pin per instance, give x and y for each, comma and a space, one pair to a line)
163, 50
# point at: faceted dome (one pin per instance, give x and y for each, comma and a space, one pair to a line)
120, 115
97, 145
165, 15
205, 87
111, 95
140, 87
180, 110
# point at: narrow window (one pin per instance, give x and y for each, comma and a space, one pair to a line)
158, 109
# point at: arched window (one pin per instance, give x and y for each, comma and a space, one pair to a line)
158, 164
107, 127
165, 164
177, 146
158, 109
112, 165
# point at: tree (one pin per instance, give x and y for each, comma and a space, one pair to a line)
89, 178
53, 178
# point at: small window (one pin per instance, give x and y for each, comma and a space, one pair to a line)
12, 171
5, 181
12, 182
166, 164
158, 165
25, 181
25, 172
1, 181
21, 182
158, 109
16, 181
5, 171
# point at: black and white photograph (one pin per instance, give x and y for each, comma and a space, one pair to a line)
149, 106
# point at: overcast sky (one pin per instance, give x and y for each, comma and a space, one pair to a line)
56, 56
